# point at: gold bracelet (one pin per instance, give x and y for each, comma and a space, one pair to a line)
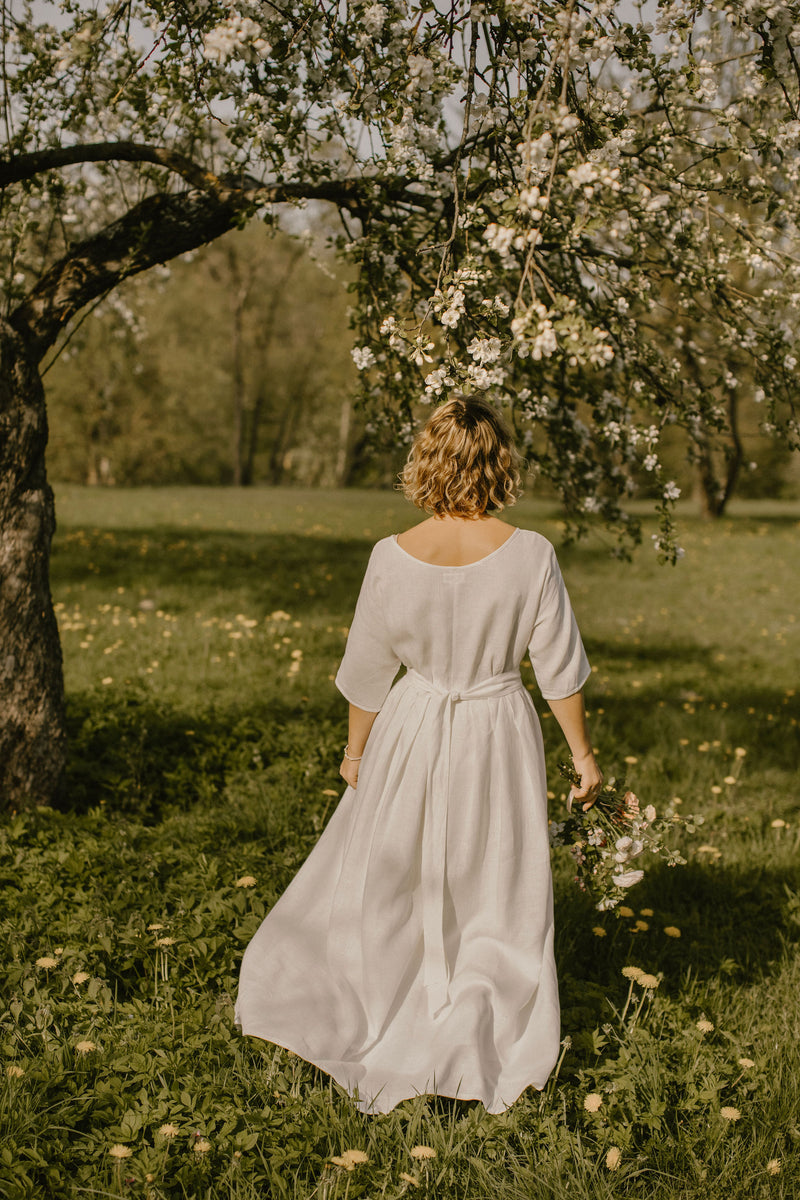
349, 757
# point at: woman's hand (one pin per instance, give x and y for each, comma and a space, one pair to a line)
591, 779
349, 771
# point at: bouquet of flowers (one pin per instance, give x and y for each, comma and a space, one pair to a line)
607, 840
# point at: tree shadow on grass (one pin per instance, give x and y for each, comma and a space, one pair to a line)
181, 571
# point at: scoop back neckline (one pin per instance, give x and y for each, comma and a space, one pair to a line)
456, 566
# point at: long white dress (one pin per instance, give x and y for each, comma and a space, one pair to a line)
413, 951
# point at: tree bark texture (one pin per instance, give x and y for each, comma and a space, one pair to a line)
32, 739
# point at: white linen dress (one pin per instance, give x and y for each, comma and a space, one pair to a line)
413, 951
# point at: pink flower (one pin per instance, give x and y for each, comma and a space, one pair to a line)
631, 802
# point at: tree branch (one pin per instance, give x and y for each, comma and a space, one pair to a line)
162, 227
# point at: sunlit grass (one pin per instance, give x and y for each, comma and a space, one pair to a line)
201, 631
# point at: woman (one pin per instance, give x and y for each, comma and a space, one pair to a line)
413, 952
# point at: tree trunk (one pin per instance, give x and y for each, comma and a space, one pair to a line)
32, 738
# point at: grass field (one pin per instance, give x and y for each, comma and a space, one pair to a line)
201, 632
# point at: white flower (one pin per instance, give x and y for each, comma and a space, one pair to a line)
500, 238
484, 350
627, 878
651, 462
362, 357
671, 491
650, 814
374, 18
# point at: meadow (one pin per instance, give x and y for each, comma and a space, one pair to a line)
201, 632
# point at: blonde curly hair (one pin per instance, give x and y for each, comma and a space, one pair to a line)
463, 462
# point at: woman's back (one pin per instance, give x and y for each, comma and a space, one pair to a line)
459, 624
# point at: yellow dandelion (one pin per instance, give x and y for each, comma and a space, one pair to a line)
412, 1179
730, 1114
165, 941
422, 1152
108, 679
246, 881
201, 1146
705, 1026
613, 1158
349, 1158
598, 931
746, 1063
778, 823
648, 981
631, 759
85, 1047
774, 1166
58, 950
119, 1151
641, 927
329, 792
624, 911
672, 931
592, 1102
154, 927
81, 977
716, 790
740, 752
729, 779
645, 912
169, 1130
632, 972
14, 1072
46, 962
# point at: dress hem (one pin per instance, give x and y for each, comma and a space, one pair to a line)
371, 1108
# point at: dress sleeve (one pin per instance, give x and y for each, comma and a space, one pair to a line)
557, 655
369, 664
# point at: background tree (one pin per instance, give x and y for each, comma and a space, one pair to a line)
232, 367
517, 183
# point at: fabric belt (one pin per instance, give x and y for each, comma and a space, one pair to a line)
434, 838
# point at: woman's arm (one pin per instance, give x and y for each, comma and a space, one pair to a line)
571, 716
359, 725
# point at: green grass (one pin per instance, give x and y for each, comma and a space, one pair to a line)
205, 738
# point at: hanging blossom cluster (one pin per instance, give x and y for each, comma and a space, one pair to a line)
590, 218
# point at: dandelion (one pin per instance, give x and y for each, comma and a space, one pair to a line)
108, 679
118, 1151
81, 977
613, 1158
624, 911
774, 1166
246, 881
85, 1047
422, 1152
412, 1179
632, 972
349, 1159
592, 1102
641, 927
730, 1114
648, 981
165, 941
154, 927
672, 931
746, 1063
729, 779
201, 1146
46, 962
14, 1072
705, 1026
631, 759
645, 912
169, 1130
778, 823
740, 752
598, 931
